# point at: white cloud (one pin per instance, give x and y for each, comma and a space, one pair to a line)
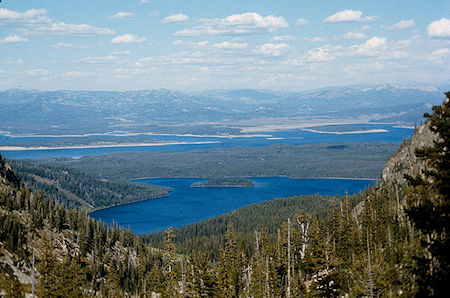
175, 18
273, 49
99, 60
35, 22
278, 38
440, 28
61, 45
354, 35
121, 52
349, 15
301, 21
128, 38
246, 23
37, 72
191, 44
371, 47
74, 74
18, 61
13, 39
441, 52
439, 56
144, 1
202, 43
230, 45
404, 43
122, 15
253, 19
63, 29
404, 24
34, 15
320, 55
314, 39
178, 42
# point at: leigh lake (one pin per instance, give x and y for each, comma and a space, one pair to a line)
186, 204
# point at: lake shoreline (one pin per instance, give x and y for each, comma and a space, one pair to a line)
118, 145
187, 205
249, 177
127, 203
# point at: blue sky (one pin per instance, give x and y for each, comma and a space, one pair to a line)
198, 45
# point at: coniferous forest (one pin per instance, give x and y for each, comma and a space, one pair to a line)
389, 241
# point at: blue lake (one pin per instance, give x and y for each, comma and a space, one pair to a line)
293, 137
186, 204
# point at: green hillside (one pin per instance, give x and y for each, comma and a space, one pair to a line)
391, 241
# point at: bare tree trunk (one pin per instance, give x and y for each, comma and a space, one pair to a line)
183, 278
257, 241
398, 199
266, 287
33, 279
288, 290
304, 226
369, 268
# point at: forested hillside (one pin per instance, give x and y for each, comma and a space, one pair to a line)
62, 252
72, 188
209, 235
393, 243
351, 160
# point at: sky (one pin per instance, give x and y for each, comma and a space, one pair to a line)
285, 45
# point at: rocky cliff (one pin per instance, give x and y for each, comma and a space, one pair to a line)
404, 161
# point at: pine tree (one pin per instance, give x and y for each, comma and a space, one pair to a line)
49, 282
171, 271
73, 278
11, 285
142, 270
155, 278
429, 207
229, 265
113, 281
204, 278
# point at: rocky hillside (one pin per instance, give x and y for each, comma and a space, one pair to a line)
404, 161
34, 226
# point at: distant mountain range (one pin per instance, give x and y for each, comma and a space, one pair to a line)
215, 111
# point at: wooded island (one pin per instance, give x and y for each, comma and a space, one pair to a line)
225, 182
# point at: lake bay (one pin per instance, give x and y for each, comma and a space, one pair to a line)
186, 204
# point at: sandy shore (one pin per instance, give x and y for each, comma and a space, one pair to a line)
130, 134
346, 132
289, 125
20, 148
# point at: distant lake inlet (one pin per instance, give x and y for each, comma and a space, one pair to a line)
171, 143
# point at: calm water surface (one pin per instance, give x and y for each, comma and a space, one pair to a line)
186, 205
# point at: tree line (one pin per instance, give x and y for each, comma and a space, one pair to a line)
392, 243
72, 188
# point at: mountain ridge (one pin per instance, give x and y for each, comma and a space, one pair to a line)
158, 109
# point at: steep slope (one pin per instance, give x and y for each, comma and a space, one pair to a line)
72, 188
404, 161
32, 226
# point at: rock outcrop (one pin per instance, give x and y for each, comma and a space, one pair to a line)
404, 161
